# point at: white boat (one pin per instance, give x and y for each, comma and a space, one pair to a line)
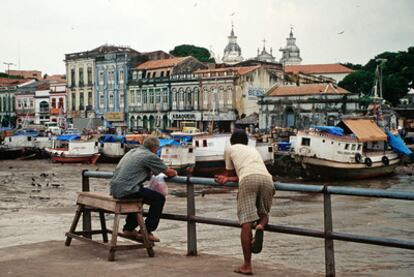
359, 151
23, 142
112, 148
209, 152
178, 156
69, 149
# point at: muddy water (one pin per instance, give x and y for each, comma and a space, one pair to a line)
37, 204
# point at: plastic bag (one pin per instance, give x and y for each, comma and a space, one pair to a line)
158, 184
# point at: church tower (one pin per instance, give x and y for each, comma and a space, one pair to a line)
291, 53
232, 52
264, 56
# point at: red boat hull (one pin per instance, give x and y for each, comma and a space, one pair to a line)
75, 159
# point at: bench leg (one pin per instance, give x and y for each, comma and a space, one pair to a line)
144, 233
114, 238
103, 226
74, 224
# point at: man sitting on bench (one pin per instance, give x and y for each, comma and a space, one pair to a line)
133, 169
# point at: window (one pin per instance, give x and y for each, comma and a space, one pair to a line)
197, 144
306, 141
81, 101
101, 100
60, 103
81, 76
53, 103
73, 102
111, 99
89, 97
204, 143
359, 146
162, 74
89, 77
153, 74
149, 75
346, 146
72, 77
323, 141
353, 147
121, 75
134, 75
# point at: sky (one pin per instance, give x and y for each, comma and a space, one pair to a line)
36, 34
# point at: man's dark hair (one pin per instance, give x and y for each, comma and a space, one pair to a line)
239, 137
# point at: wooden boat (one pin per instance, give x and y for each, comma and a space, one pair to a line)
70, 149
179, 156
19, 143
209, 152
112, 148
359, 151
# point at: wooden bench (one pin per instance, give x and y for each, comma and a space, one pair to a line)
103, 203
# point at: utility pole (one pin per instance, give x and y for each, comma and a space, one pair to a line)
8, 94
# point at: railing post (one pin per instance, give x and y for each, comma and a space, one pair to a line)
191, 225
329, 243
86, 215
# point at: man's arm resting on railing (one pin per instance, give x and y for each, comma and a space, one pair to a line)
227, 176
170, 172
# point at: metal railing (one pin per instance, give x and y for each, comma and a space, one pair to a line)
328, 234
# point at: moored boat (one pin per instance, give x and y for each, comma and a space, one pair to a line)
354, 149
209, 152
70, 149
112, 148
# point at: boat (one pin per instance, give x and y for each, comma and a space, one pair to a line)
177, 155
19, 143
354, 149
209, 151
111, 147
70, 149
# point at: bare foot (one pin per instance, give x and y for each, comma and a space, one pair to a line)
243, 270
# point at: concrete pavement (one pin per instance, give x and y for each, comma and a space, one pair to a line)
52, 258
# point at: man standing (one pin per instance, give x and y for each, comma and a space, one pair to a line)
254, 199
127, 183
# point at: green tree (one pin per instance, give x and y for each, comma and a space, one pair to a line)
360, 82
397, 72
200, 53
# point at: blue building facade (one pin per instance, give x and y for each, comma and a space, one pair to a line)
112, 65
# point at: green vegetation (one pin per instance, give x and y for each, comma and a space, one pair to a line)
200, 53
4, 75
398, 73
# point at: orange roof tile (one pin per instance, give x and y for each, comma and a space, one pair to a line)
365, 129
10, 81
318, 68
154, 64
240, 69
306, 89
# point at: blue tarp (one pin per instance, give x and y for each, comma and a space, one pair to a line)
2, 129
165, 142
183, 138
112, 138
331, 130
397, 144
27, 132
68, 137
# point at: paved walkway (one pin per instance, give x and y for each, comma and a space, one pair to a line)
52, 258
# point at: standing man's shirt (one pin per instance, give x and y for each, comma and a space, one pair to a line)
246, 160
133, 169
